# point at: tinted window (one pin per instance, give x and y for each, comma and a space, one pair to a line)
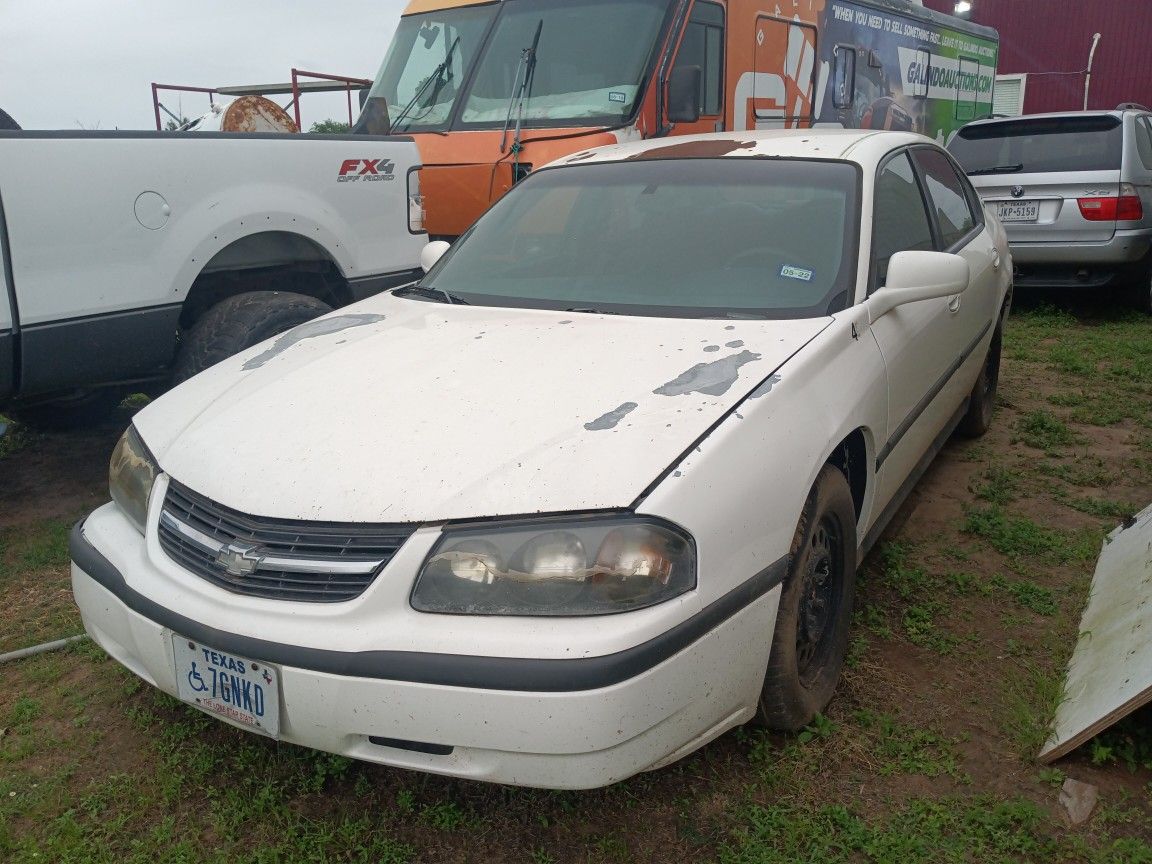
703, 46
947, 196
762, 238
900, 221
1040, 144
1144, 141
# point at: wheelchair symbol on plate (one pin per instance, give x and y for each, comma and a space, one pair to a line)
196, 680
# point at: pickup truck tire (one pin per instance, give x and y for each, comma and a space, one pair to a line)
240, 322
982, 400
811, 635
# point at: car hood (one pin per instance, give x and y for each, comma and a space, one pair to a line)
401, 410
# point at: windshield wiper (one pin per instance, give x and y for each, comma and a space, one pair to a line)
440, 80
999, 169
427, 293
522, 92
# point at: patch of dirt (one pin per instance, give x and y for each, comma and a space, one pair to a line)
58, 475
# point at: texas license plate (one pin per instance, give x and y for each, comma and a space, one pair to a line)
1018, 211
244, 691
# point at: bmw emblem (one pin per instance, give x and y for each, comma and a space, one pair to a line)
1017, 191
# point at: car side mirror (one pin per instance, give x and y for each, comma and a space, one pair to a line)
684, 94
432, 253
914, 276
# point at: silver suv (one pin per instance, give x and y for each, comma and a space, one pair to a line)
1074, 191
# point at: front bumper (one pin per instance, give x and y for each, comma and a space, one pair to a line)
548, 722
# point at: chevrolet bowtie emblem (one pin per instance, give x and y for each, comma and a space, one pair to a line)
238, 559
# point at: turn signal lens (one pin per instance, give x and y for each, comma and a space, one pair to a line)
632, 562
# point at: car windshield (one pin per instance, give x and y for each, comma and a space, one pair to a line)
729, 237
424, 69
1091, 143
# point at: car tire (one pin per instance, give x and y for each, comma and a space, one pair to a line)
240, 322
982, 400
812, 622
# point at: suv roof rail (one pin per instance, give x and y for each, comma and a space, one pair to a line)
1133, 106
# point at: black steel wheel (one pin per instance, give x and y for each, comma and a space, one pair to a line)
811, 635
982, 400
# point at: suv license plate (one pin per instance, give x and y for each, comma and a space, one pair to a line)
247, 692
1018, 211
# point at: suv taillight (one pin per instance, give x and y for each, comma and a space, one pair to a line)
1125, 207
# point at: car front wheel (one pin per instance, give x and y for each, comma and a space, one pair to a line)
811, 635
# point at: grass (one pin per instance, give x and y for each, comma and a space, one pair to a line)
35, 586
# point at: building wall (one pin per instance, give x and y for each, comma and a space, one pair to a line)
1050, 40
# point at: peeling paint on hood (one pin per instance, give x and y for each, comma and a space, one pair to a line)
415, 418
712, 378
320, 327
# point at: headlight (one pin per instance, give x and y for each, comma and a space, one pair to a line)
130, 477
590, 566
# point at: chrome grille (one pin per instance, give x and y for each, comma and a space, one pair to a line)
316, 562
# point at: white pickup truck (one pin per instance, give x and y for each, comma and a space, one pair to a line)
131, 258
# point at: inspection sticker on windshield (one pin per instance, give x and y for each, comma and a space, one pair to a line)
616, 96
244, 691
790, 272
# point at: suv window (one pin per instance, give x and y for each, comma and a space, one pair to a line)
1144, 141
900, 221
954, 215
1073, 143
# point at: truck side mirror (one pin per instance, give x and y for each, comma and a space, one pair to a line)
684, 94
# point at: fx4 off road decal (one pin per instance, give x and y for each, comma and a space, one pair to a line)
368, 170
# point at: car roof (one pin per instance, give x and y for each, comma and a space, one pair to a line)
865, 147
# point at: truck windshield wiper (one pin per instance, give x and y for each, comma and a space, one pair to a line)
999, 169
522, 93
439, 77
428, 293
589, 310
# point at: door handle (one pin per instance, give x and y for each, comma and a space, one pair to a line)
954, 303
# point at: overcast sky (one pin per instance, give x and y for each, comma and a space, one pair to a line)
69, 64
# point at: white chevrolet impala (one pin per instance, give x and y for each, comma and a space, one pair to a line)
591, 493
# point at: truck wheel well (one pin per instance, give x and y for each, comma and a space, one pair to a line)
851, 457
269, 261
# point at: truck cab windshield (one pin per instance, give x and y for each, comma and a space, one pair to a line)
424, 69
593, 57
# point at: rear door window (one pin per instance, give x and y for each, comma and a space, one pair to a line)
946, 194
899, 220
1038, 144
